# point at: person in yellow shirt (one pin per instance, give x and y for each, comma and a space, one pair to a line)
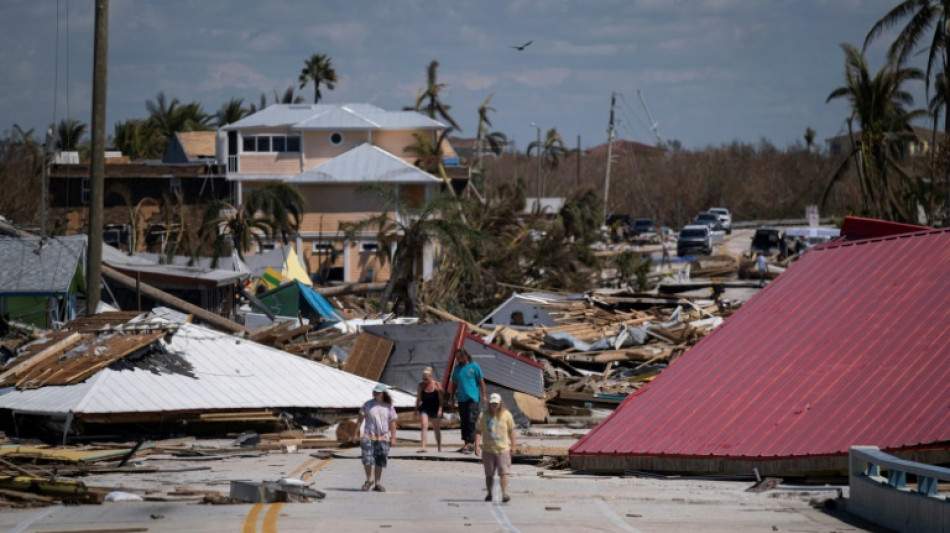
496, 428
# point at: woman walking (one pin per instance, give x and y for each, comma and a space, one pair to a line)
496, 427
378, 435
429, 407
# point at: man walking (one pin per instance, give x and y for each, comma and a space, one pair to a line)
468, 385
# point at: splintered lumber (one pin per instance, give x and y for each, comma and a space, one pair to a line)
95, 357
57, 488
49, 353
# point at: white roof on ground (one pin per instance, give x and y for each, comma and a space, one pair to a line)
335, 117
226, 373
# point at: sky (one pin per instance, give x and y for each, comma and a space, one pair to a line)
709, 72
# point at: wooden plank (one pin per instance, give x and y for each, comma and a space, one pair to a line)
368, 356
51, 352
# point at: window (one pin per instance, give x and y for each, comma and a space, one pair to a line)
174, 186
263, 143
271, 143
336, 138
369, 247
85, 191
322, 248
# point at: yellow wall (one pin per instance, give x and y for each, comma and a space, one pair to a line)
284, 163
317, 148
395, 142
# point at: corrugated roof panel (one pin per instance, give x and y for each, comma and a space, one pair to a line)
225, 373
850, 346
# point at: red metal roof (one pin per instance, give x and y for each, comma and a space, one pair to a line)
850, 346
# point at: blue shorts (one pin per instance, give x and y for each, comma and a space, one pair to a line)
374, 452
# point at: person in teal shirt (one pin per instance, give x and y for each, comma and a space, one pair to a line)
468, 385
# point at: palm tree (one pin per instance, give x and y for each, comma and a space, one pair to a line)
318, 69
137, 139
552, 148
404, 232
879, 105
434, 108
70, 132
231, 111
168, 118
290, 96
271, 211
925, 19
809, 138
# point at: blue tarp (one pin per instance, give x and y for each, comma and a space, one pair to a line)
319, 303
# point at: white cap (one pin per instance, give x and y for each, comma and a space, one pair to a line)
494, 398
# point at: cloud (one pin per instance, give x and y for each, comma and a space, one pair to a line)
340, 34
542, 77
232, 75
473, 81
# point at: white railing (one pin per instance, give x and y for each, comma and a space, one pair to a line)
880, 494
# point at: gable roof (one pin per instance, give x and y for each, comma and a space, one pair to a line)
850, 346
300, 117
197, 144
33, 266
364, 164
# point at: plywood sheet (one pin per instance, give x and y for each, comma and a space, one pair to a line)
368, 356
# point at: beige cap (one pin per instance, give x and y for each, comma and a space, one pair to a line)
494, 398
427, 370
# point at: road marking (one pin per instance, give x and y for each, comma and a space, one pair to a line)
614, 517
273, 510
502, 518
29, 521
250, 523
270, 519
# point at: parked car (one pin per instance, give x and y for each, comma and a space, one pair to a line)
768, 240
708, 219
694, 239
643, 226
725, 218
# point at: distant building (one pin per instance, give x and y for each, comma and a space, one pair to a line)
919, 145
623, 147
329, 152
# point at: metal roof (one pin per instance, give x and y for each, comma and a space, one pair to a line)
364, 164
533, 308
40, 266
335, 117
850, 346
204, 275
226, 372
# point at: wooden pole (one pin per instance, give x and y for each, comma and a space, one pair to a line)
97, 166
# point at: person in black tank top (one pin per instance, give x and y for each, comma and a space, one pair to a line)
429, 406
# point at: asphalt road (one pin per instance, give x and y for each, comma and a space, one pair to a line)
435, 493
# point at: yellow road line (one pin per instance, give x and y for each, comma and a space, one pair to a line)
270, 519
273, 510
250, 523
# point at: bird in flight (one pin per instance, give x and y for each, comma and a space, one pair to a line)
522, 47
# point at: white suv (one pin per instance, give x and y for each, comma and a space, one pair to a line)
725, 218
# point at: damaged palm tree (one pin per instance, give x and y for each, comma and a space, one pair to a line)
271, 212
406, 233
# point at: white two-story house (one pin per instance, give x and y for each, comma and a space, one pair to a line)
328, 151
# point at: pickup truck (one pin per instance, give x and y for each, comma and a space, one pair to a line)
725, 218
695, 239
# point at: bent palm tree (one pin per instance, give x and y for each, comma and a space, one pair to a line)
404, 233
433, 105
318, 69
269, 212
878, 104
231, 111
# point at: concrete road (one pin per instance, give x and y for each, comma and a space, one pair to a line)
443, 492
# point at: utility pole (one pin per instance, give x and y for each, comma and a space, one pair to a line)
538, 148
577, 183
610, 145
98, 157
